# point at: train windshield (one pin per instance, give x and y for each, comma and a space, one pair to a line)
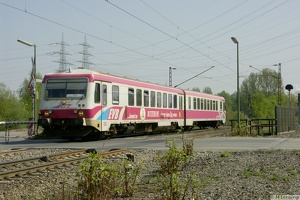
66, 88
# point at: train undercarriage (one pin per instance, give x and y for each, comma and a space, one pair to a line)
72, 129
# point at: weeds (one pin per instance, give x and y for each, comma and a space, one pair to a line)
225, 154
173, 186
101, 180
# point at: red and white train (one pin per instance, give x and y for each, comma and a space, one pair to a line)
82, 102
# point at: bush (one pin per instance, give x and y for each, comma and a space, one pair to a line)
173, 186
101, 180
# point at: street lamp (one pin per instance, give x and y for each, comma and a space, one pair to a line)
238, 80
289, 87
279, 83
170, 75
32, 83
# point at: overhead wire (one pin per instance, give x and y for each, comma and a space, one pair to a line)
165, 33
88, 34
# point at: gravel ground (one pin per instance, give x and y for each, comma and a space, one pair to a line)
220, 175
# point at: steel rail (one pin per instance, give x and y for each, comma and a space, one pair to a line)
12, 151
56, 156
50, 165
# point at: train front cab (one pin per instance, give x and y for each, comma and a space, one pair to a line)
64, 106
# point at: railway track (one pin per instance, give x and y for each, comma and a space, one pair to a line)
19, 168
9, 152
195, 133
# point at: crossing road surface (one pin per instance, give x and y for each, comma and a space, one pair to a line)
18, 140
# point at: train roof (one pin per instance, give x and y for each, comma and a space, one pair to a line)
95, 75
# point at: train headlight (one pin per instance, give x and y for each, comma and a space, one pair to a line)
47, 113
63, 102
81, 113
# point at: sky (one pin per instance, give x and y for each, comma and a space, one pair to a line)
144, 39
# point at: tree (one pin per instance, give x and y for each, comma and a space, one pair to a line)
228, 104
25, 93
11, 107
207, 90
196, 89
260, 90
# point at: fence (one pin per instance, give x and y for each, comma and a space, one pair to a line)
285, 121
258, 126
7, 126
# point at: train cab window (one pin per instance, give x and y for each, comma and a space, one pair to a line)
170, 100
165, 100
190, 103
130, 96
146, 98
72, 88
158, 99
175, 101
221, 105
152, 99
97, 93
217, 105
139, 97
115, 95
195, 103
104, 95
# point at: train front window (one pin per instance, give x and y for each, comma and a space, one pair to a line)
66, 88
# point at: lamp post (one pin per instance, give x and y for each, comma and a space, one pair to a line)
170, 75
238, 80
279, 83
32, 83
289, 87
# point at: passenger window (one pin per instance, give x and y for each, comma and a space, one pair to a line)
139, 97
97, 93
170, 100
165, 100
202, 106
205, 104
115, 95
195, 103
175, 101
198, 104
190, 103
146, 98
180, 102
152, 97
158, 99
130, 96
104, 95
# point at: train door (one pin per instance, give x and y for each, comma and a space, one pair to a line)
99, 104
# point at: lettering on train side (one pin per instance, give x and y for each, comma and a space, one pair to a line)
113, 113
153, 114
